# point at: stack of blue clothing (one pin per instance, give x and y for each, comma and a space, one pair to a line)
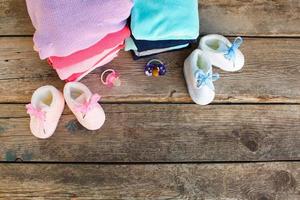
164, 25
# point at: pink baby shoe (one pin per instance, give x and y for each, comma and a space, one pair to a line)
84, 105
45, 109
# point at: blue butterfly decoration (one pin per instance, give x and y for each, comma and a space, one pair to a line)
231, 52
207, 79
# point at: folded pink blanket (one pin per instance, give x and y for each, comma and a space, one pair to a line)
107, 42
66, 72
64, 27
108, 58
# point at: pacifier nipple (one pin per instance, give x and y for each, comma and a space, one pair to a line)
112, 78
117, 82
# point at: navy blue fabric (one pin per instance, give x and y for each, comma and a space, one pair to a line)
144, 45
135, 57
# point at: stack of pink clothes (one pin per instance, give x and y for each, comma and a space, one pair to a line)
80, 35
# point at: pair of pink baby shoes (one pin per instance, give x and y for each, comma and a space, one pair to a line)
47, 105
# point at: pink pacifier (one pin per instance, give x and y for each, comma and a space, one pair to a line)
112, 78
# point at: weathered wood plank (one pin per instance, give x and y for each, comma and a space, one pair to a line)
251, 18
260, 181
259, 17
14, 19
160, 133
271, 74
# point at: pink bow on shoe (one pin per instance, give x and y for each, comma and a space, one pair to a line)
37, 113
89, 104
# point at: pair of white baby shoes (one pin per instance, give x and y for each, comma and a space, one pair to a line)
47, 105
214, 50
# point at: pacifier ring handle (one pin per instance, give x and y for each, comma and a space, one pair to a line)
103, 73
154, 60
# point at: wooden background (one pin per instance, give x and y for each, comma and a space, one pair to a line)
157, 144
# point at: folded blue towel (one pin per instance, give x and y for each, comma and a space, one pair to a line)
165, 20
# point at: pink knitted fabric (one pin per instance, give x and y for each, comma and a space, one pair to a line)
108, 58
66, 72
66, 26
107, 42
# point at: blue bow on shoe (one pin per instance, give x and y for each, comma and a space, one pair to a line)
205, 79
231, 52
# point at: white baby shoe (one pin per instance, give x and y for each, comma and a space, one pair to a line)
199, 77
84, 105
45, 109
222, 53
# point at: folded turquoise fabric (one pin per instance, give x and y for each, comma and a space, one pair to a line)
130, 45
165, 20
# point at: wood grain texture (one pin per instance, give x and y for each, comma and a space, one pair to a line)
271, 74
260, 181
251, 18
160, 133
14, 18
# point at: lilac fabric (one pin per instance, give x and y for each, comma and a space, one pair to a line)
64, 27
